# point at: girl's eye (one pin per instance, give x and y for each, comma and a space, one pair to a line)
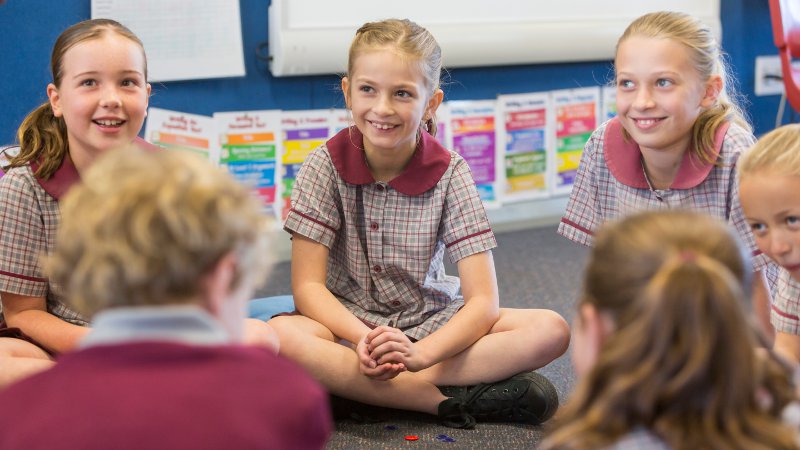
663, 82
793, 220
367, 89
129, 83
758, 228
625, 84
88, 83
403, 94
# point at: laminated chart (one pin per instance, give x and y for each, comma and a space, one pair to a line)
181, 131
577, 113
443, 125
609, 103
248, 147
302, 131
523, 137
340, 119
472, 135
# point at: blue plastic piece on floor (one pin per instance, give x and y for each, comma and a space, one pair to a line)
266, 307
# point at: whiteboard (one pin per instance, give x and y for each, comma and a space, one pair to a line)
312, 36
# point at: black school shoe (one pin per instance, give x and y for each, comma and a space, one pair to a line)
527, 397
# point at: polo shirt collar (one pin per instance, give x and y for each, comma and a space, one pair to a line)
423, 172
67, 174
624, 159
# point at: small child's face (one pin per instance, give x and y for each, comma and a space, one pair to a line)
389, 97
103, 94
771, 205
659, 93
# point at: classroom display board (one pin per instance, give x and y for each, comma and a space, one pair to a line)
525, 125
472, 135
577, 115
519, 147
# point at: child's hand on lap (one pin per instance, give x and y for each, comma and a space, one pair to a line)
369, 366
391, 345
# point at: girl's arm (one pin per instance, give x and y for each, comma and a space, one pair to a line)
30, 315
312, 297
788, 346
480, 312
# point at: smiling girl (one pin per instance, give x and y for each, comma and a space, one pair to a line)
675, 141
97, 102
373, 212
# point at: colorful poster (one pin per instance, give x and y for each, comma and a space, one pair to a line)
248, 150
302, 132
340, 119
472, 134
443, 125
609, 103
181, 131
577, 113
523, 137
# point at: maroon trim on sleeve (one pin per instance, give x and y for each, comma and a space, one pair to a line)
306, 216
488, 230
783, 314
566, 221
22, 277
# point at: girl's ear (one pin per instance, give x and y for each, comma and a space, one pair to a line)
591, 330
433, 104
712, 89
55, 99
346, 91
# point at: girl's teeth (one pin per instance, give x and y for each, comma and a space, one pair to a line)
109, 123
382, 126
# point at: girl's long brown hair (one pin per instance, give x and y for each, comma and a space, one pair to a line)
682, 362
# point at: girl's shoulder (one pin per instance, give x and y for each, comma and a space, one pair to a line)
736, 139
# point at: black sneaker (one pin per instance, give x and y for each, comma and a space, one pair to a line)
526, 397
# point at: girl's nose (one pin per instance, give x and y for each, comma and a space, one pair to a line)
644, 99
383, 105
779, 244
110, 99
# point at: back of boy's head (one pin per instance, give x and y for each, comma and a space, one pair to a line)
707, 59
777, 152
43, 134
680, 360
145, 228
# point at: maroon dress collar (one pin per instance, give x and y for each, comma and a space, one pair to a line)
423, 172
624, 159
67, 174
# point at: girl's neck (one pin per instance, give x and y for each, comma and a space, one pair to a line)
661, 168
386, 165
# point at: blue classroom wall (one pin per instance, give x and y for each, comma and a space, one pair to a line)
30, 27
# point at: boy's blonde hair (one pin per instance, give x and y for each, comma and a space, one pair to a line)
708, 59
409, 40
777, 152
43, 136
144, 228
681, 361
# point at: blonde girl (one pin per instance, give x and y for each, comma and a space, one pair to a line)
676, 138
373, 212
770, 195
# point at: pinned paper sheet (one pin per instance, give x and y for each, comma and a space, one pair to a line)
183, 39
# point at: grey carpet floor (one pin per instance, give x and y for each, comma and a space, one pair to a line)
536, 268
